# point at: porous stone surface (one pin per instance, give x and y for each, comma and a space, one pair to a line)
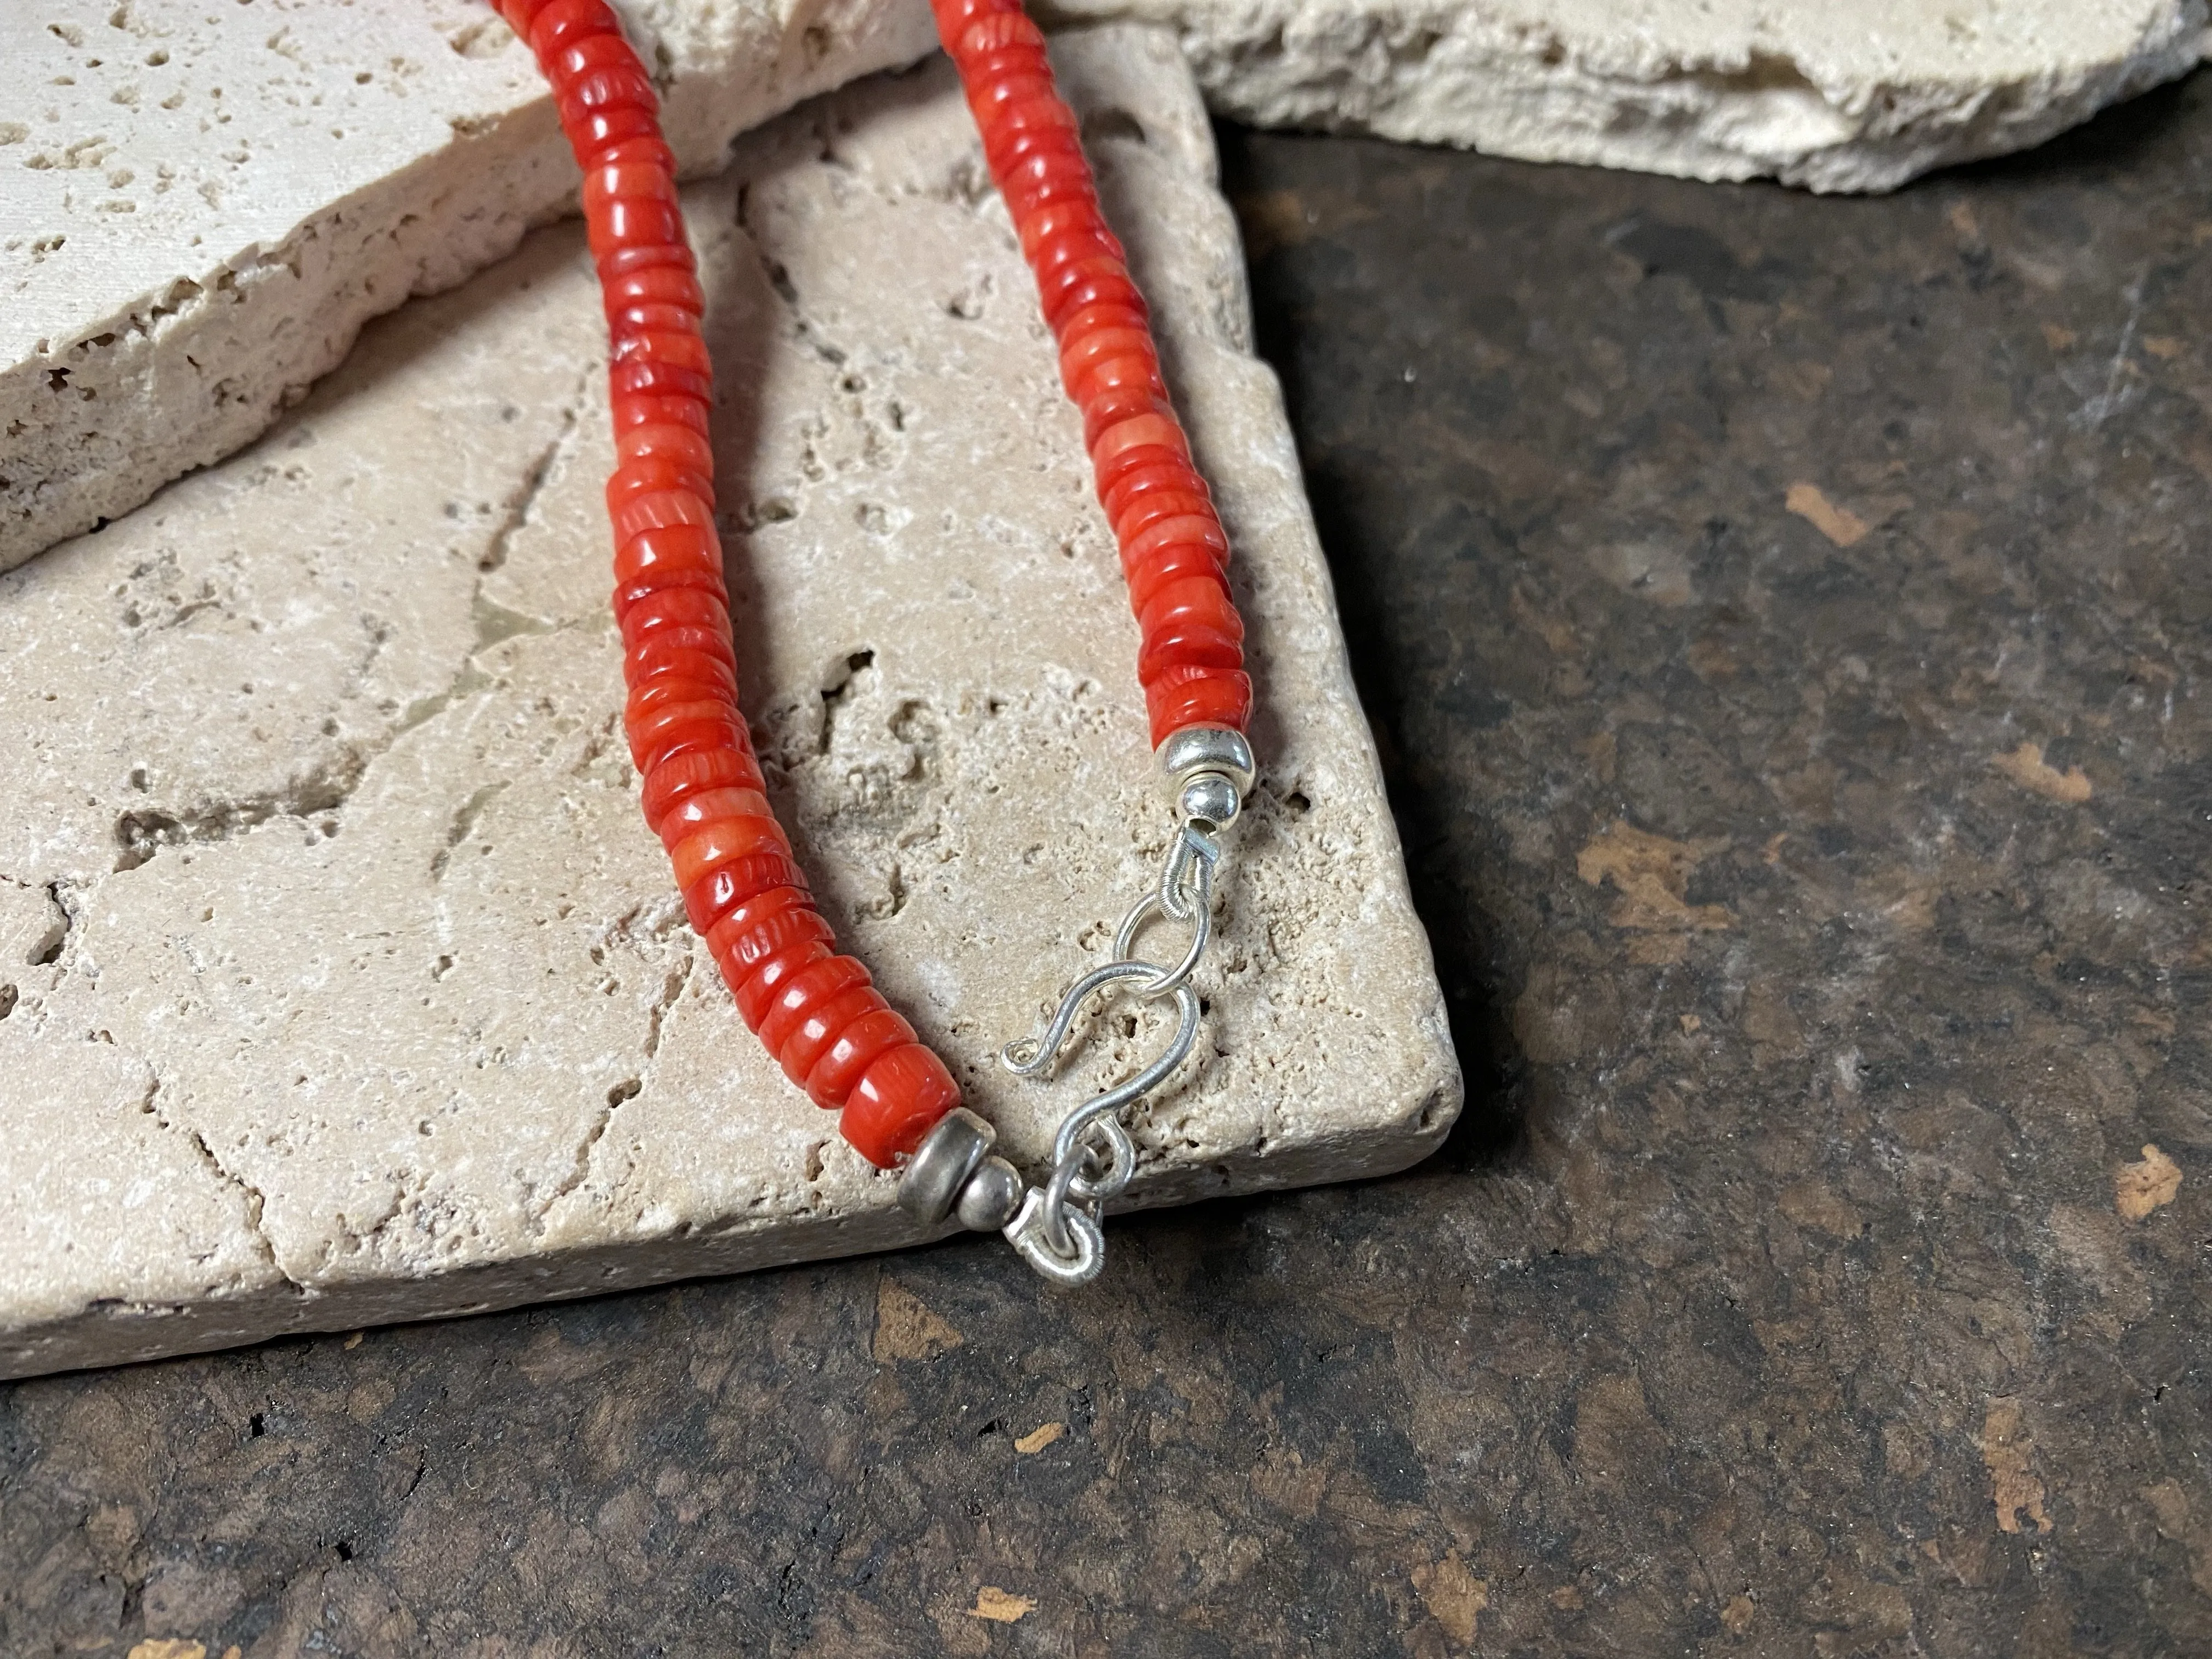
345, 984
203, 205
1833, 97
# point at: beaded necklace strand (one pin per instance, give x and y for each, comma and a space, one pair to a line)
817, 1010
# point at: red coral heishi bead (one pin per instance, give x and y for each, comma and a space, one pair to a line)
767, 924
657, 554
602, 89
822, 1026
568, 64
656, 510
660, 674
725, 842
696, 811
685, 728
620, 181
897, 1101
678, 619
803, 993
665, 285
649, 473
640, 375
681, 776
676, 348
858, 1047
557, 24
646, 149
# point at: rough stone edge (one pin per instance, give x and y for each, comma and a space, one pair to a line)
421, 230
1411, 1127
1443, 72
126, 1334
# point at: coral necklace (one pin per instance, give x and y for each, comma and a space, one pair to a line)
817, 1009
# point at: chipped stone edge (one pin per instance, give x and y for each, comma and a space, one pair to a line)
1401, 1133
1452, 72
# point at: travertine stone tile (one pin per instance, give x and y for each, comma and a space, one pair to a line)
346, 983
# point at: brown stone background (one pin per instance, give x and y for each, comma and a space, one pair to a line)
1786, 621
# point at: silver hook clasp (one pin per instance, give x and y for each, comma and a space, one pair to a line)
1056, 1226
1056, 1229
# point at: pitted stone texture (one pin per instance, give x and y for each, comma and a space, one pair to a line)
203, 204
348, 986
1833, 97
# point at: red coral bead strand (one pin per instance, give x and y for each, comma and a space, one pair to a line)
817, 1010
1174, 551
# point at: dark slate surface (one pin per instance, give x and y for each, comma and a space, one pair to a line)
1821, 896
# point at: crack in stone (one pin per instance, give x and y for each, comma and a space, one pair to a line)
47, 948
671, 987
533, 484
141, 834
255, 1203
464, 820
623, 1093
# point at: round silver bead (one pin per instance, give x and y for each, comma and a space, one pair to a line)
1212, 798
1208, 749
992, 1195
941, 1165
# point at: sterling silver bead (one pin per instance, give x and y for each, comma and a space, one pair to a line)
1207, 749
992, 1196
1212, 798
940, 1167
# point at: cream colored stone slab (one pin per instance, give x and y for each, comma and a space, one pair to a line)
1856, 97
347, 984
201, 203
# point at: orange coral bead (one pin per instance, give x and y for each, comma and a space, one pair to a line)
858, 1047
681, 776
678, 349
763, 924
725, 842
659, 555
804, 992
627, 181
757, 991
1205, 697
707, 806
897, 1101
656, 510
737, 886
1148, 575
812, 1037
1149, 431
1191, 529
1158, 506
682, 728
